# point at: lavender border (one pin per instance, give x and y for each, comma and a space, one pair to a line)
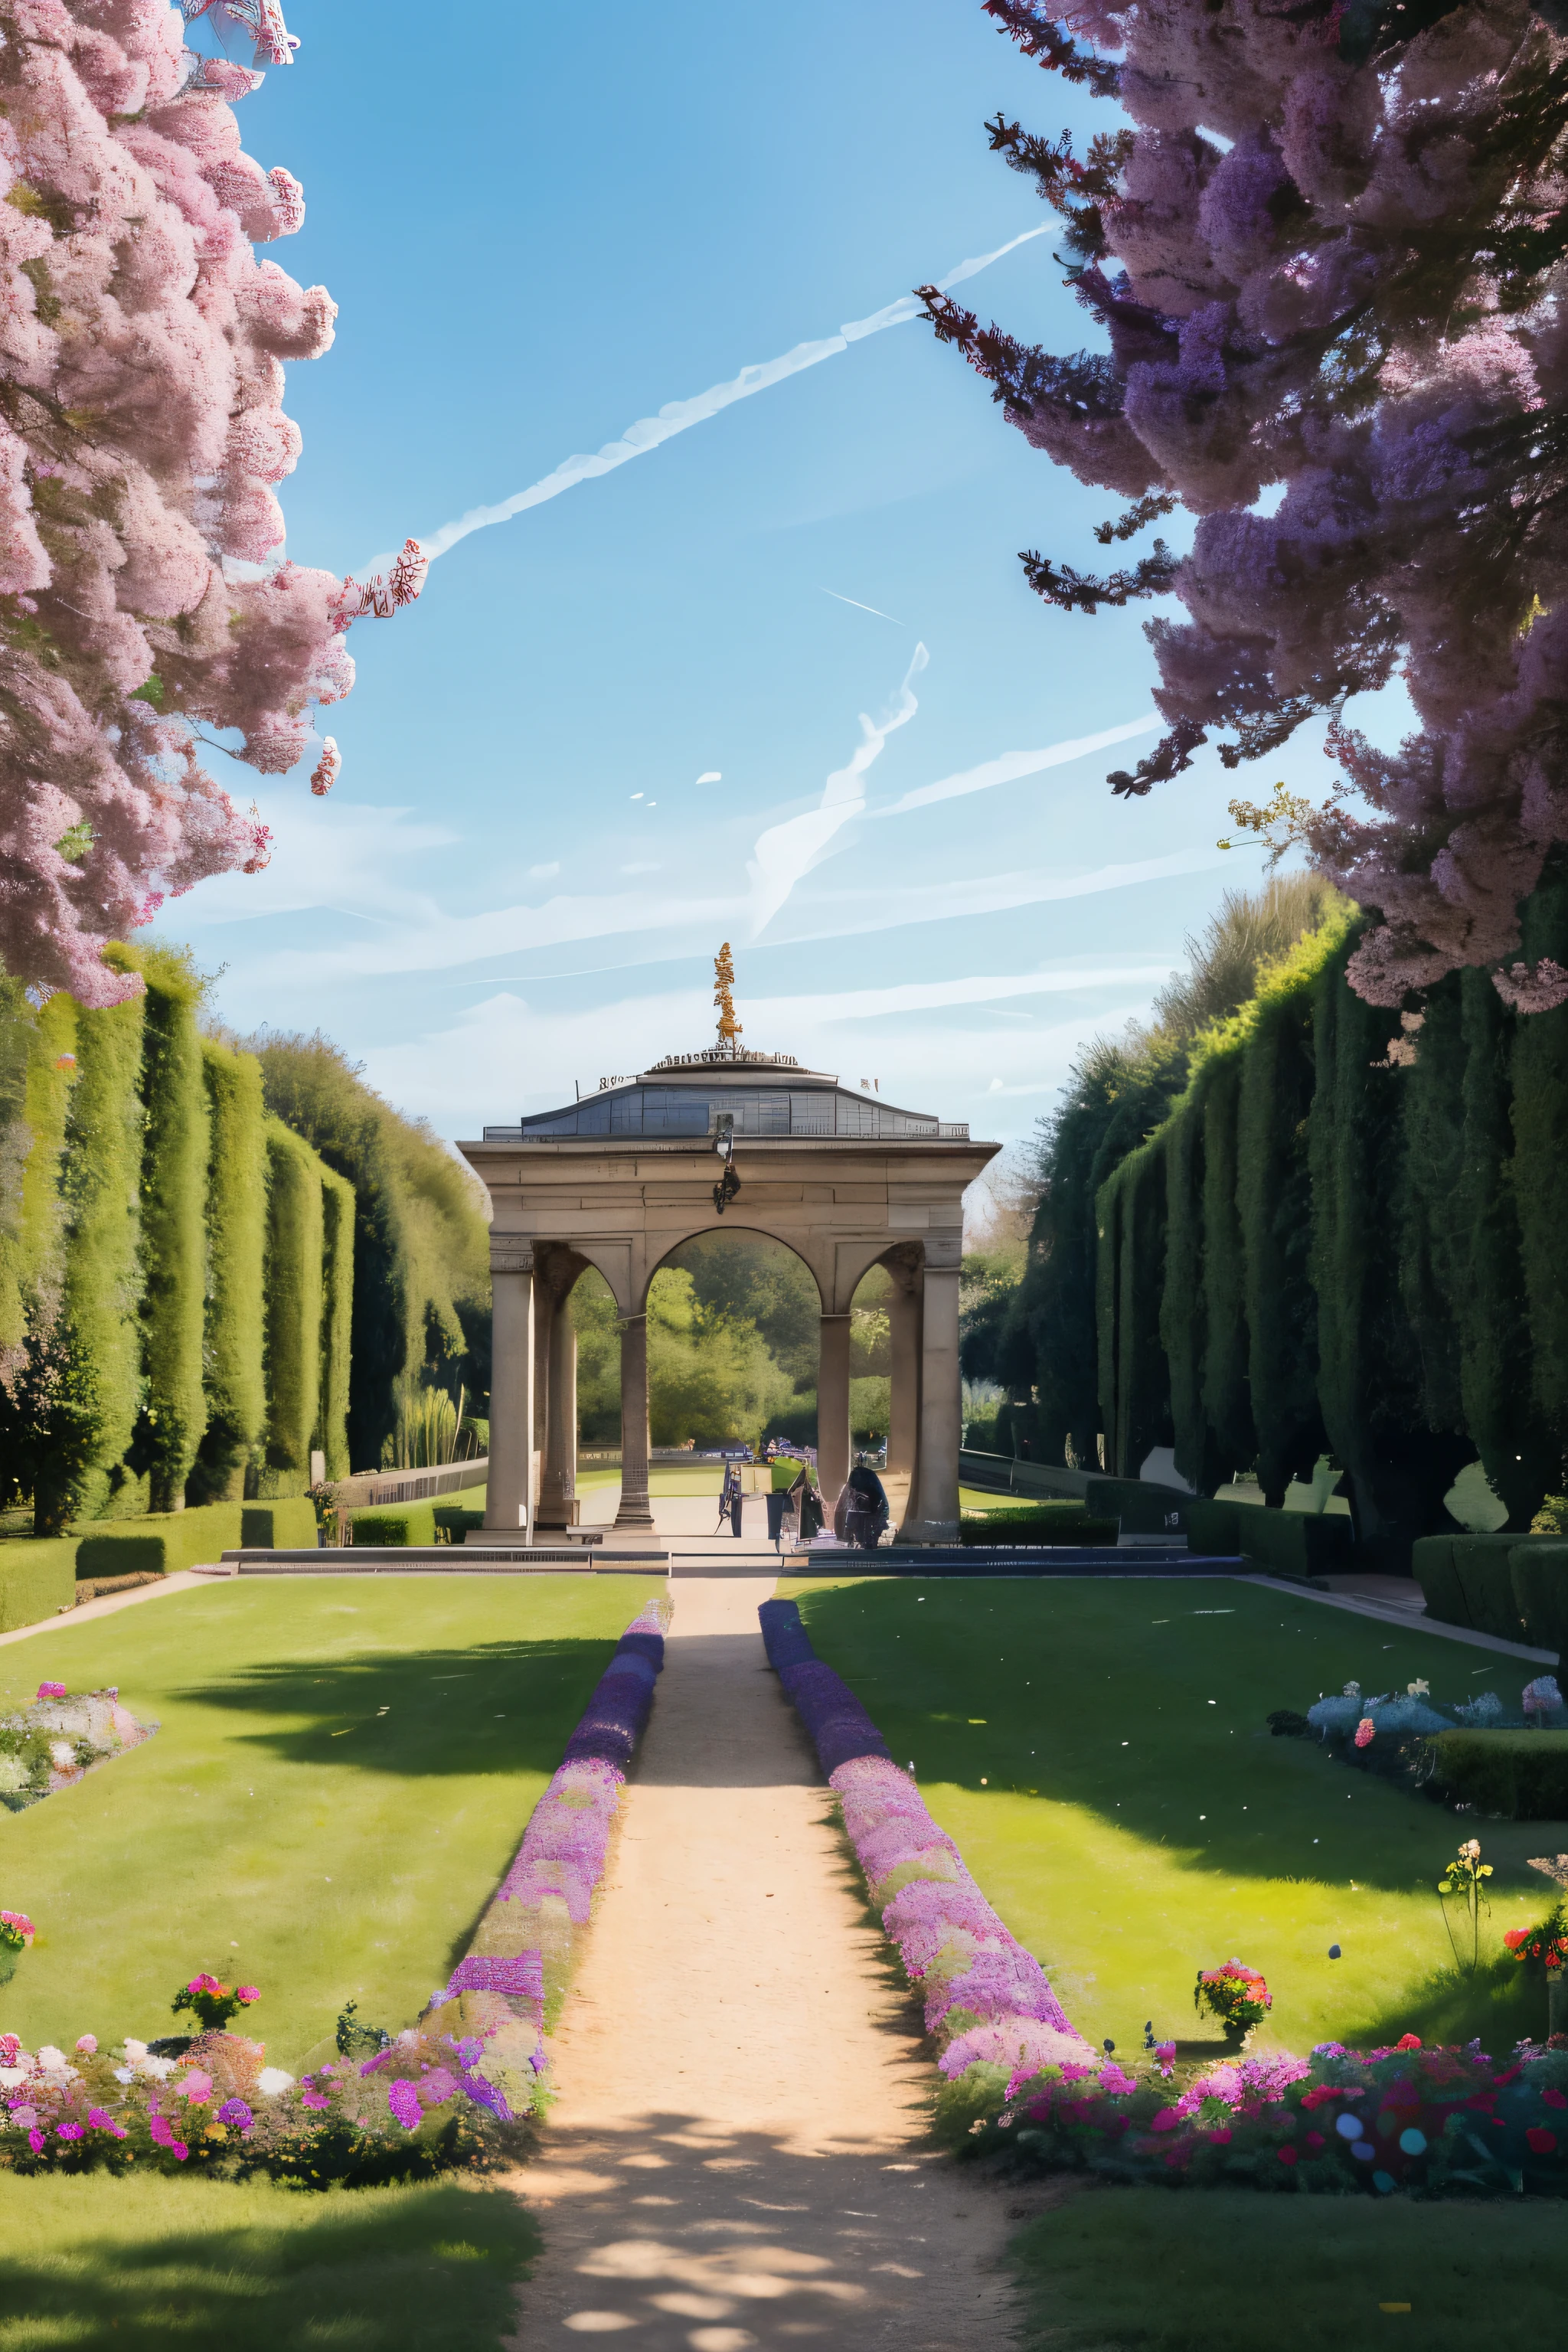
987, 2001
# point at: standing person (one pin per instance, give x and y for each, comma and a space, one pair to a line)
806, 1500
731, 1497
862, 1510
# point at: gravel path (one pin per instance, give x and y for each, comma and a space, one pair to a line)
736, 2159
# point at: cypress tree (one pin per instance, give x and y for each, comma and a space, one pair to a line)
1133, 1245
1182, 1319
337, 1319
1226, 1387
174, 1226
94, 1386
1486, 1295
235, 1250
294, 1298
38, 1070
1371, 1379
1274, 1204
1107, 1213
1540, 1164
1433, 1244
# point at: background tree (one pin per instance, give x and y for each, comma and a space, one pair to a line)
1325, 247
143, 595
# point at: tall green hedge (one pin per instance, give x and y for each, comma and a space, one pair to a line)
293, 1293
1183, 1321
1273, 1209
337, 1319
174, 1226
90, 1419
1230, 1434
235, 1250
421, 1276
1539, 1074
37, 1071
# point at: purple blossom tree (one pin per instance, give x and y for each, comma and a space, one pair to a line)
1326, 248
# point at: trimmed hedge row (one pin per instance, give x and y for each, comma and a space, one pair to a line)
37, 1579
1522, 1775
1282, 1543
1515, 1587
39, 1575
1041, 1522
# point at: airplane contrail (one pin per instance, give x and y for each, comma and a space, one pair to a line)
679, 415
864, 608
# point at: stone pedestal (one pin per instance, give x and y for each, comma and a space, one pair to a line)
635, 1511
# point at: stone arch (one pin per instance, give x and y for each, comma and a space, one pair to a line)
725, 1232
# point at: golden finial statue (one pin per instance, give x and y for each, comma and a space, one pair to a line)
723, 995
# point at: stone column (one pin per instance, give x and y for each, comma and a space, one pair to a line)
635, 1511
832, 1407
507, 1503
558, 1506
935, 1515
904, 1336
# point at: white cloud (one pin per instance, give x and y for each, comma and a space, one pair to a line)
679, 415
340, 854
637, 867
786, 852
1014, 764
710, 776
544, 873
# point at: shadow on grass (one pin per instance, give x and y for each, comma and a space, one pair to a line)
156, 2263
505, 1707
1234, 2271
1146, 1703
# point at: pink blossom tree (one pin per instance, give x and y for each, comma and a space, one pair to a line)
143, 596
1326, 248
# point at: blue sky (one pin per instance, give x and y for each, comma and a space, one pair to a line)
541, 225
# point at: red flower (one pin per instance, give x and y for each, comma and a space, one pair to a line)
1553, 2099
1288, 2156
1409, 2042
1314, 2139
1541, 2140
1514, 1937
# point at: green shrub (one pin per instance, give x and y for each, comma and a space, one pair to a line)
173, 1225
1432, 1566
1142, 1507
1522, 1775
278, 1526
38, 1579
1481, 1567
1538, 1573
1038, 1523
1226, 1389
162, 1544
1294, 1543
293, 1298
455, 1519
236, 1246
395, 1523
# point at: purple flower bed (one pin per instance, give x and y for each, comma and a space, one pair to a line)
1023, 2083
986, 1999
522, 1957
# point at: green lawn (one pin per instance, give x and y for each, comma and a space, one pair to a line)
1099, 1752
1233, 2270
96, 2261
345, 1768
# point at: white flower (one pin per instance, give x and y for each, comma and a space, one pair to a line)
1418, 1689
271, 2081
125, 2075
11, 2075
1352, 1690
53, 2061
62, 1755
136, 2050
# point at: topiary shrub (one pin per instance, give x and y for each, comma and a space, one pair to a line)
454, 1520
388, 1523
1539, 1574
288, 1526
1521, 1775
1041, 1522
160, 1543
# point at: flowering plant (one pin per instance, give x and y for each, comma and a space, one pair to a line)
1548, 1943
1463, 1876
1442, 2121
212, 2002
50, 1743
987, 2001
1233, 1993
16, 1930
219, 2107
